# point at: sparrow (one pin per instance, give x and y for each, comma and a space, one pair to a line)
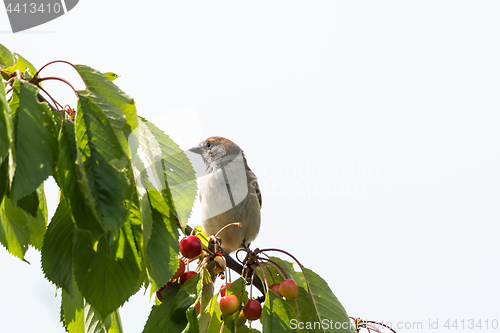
228, 193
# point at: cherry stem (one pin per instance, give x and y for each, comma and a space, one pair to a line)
53, 62
263, 274
59, 79
8, 81
54, 101
380, 324
272, 276
230, 262
243, 269
239, 250
301, 268
269, 269
251, 283
239, 224
281, 271
225, 277
368, 324
199, 265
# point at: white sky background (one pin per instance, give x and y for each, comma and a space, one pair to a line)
373, 128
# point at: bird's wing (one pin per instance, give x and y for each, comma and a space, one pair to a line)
255, 184
257, 190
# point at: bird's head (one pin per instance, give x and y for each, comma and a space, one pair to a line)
217, 152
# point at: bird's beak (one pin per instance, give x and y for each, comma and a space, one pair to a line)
196, 150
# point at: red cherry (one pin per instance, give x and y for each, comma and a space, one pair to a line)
191, 247
186, 276
180, 270
276, 288
158, 292
223, 288
252, 310
229, 304
197, 307
289, 289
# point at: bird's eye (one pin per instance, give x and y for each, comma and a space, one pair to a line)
208, 144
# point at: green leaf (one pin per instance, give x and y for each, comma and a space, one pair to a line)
210, 316
192, 325
210, 319
73, 315
177, 308
326, 305
230, 323
319, 303
71, 178
78, 316
159, 234
5, 126
35, 140
176, 178
4, 178
286, 266
111, 76
107, 272
23, 66
117, 119
57, 248
113, 323
185, 297
102, 85
302, 306
7, 164
104, 162
6, 57
134, 229
29, 203
19, 229
38, 223
277, 315
159, 320
207, 291
14, 229
162, 246
134, 239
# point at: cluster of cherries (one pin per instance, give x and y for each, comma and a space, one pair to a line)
191, 247
229, 304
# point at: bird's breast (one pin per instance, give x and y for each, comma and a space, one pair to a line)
223, 188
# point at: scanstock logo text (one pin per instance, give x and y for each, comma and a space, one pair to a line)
25, 14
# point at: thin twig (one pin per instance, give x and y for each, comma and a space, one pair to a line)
40, 97
59, 79
53, 62
283, 274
